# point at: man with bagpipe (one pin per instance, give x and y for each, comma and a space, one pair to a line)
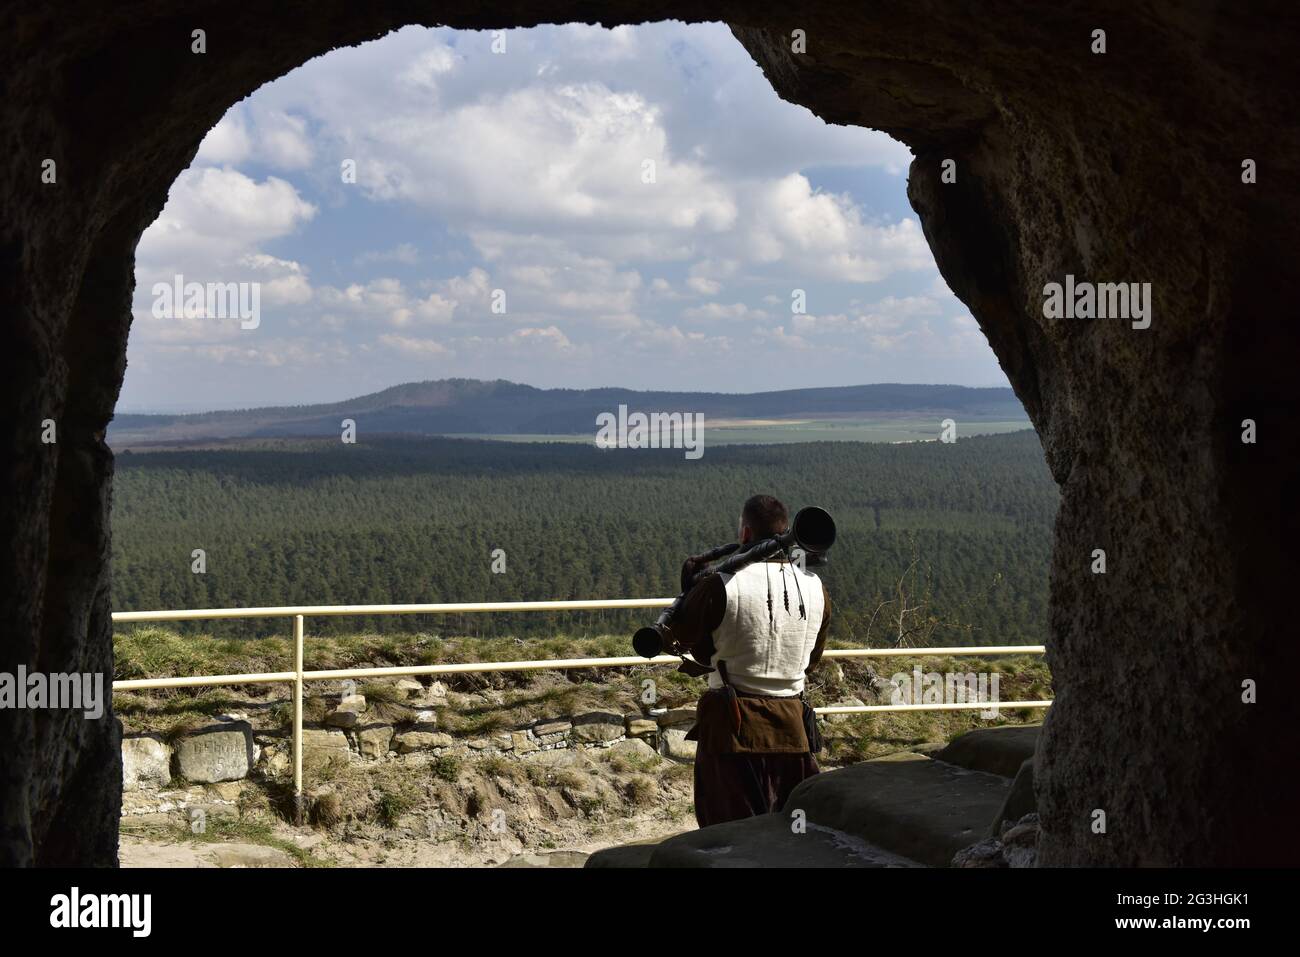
754, 624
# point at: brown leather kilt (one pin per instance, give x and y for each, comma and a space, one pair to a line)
753, 770
768, 725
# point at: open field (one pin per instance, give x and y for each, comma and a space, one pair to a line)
906, 428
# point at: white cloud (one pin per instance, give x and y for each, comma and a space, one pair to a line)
217, 215
563, 156
705, 287
676, 342
661, 288
250, 352
779, 338
283, 282
253, 132
226, 143
524, 173
470, 286
428, 67
387, 301
546, 276
499, 149
285, 142
897, 325
210, 232
825, 236
714, 311
549, 339
413, 347
529, 344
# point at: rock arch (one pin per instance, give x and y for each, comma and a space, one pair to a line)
1122, 166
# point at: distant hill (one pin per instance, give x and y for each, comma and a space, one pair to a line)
472, 406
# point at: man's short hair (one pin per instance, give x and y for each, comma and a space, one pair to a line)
765, 515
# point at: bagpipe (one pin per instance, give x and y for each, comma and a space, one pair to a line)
812, 532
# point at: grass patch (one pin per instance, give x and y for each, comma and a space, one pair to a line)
445, 767
861, 737
641, 790
624, 762
496, 766
394, 802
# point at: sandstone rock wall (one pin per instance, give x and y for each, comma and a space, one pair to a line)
1124, 166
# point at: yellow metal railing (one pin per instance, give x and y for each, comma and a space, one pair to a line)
298, 676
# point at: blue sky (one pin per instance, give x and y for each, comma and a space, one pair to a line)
522, 176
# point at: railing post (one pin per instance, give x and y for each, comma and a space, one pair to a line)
297, 720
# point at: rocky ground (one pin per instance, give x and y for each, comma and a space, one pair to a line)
541, 808
165, 840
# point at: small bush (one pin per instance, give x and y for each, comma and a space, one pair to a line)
391, 806
445, 767
641, 790
496, 766
381, 691
326, 808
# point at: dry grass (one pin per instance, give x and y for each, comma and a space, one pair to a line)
641, 790
515, 699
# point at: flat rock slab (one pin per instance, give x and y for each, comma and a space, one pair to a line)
635, 854
597, 726
547, 859
906, 803
249, 855
138, 852
411, 741
769, 841
994, 750
627, 855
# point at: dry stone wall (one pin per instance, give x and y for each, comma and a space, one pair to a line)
231, 750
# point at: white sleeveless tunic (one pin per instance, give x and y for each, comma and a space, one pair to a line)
767, 657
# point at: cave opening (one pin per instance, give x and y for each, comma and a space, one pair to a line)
1148, 660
